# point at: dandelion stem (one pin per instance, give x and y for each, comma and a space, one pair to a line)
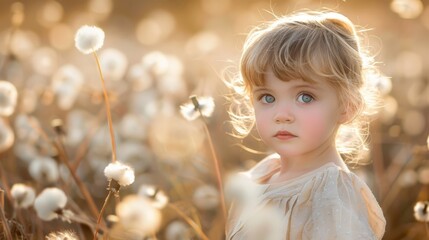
426, 228
3, 218
191, 223
80, 184
217, 168
109, 115
5, 183
101, 211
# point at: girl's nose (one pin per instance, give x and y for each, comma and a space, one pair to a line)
284, 116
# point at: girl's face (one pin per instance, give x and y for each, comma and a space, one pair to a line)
296, 118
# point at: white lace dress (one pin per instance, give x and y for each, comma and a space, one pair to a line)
325, 204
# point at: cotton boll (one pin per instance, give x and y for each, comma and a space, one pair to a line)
119, 172
8, 98
206, 197
22, 195
137, 214
6, 136
178, 230
44, 169
48, 202
89, 39
113, 64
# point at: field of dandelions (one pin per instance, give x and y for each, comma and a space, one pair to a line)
113, 116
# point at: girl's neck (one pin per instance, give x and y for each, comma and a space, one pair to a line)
294, 166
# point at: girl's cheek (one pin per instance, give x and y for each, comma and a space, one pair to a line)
316, 124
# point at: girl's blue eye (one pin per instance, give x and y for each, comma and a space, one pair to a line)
267, 98
305, 98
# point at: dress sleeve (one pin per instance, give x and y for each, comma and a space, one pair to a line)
343, 207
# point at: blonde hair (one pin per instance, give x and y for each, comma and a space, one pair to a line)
312, 46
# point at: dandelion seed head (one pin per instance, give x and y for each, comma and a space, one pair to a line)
25, 151
48, 202
113, 64
62, 235
156, 196
137, 213
66, 84
22, 195
427, 142
155, 63
119, 172
421, 211
408, 178
8, 98
407, 9
424, 175
265, 223
191, 110
240, 187
139, 77
7, 137
25, 128
206, 197
89, 39
44, 169
178, 230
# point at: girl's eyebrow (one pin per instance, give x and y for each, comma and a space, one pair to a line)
312, 86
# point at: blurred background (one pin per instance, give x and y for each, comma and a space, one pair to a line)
155, 55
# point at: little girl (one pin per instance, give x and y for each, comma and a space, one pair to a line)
302, 81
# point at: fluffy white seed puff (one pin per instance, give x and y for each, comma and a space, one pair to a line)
67, 234
192, 110
119, 172
44, 169
206, 197
138, 215
48, 202
421, 211
89, 39
8, 97
22, 195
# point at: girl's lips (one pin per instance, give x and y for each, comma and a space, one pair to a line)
284, 135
